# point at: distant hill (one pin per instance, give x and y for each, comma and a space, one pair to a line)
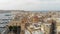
9, 11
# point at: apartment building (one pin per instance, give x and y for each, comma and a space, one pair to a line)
5, 18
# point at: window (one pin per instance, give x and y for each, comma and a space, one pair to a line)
8, 15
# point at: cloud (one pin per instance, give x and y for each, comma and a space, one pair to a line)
29, 5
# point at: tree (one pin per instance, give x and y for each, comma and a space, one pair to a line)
10, 28
52, 31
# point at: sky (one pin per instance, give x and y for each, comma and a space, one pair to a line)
30, 5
